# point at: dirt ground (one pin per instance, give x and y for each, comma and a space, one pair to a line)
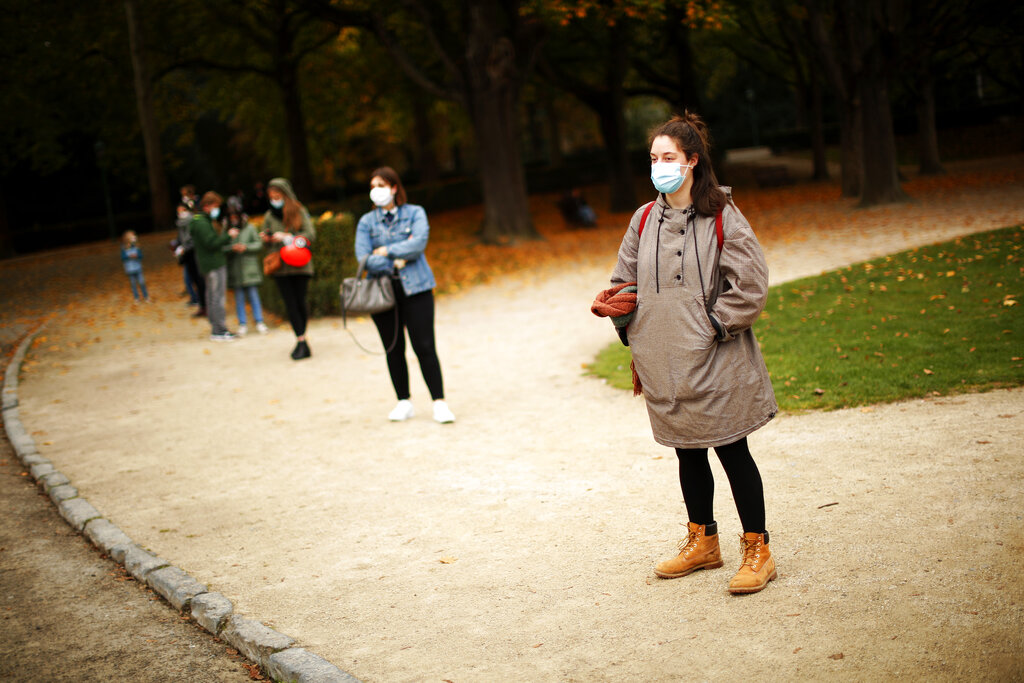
69, 614
518, 542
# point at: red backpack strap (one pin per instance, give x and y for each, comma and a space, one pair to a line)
718, 230
643, 220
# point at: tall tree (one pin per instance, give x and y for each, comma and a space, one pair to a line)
477, 54
774, 38
603, 53
269, 38
590, 60
856, 41
159, 192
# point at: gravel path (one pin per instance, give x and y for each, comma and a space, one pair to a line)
517, 543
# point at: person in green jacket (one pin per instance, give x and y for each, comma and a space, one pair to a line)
209, 245
245, 268
285, 221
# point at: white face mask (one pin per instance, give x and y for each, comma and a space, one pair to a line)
669, 176
277, 203
381, 196
214, 212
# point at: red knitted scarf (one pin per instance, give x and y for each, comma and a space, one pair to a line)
614, 303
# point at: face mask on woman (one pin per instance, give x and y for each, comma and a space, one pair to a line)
277, 203
381, 196
668, 176
214, 212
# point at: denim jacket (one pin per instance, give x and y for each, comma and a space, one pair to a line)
406, 238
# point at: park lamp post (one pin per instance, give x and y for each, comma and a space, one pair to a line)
101, 163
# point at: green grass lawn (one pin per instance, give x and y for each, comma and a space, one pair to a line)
942, 319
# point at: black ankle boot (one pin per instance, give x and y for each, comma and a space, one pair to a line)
301, 351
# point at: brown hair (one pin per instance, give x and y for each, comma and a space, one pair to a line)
211, 197
390, 176
691, 136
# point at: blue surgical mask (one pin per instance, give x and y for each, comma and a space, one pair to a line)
214, 212
277, 203
668, 176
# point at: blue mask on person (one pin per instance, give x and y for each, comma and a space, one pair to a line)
668, 176
214, 212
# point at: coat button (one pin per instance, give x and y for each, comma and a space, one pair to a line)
679, 277
679, 253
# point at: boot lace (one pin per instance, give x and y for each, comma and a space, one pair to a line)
690, 542
751, 553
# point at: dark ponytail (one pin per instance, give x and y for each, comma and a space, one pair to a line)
691, 136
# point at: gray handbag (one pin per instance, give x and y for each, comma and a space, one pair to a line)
367, 294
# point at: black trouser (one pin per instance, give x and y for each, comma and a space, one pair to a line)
198, 281
293, 290
698, 484
416, 315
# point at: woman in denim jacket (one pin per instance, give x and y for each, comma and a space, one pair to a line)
392, 239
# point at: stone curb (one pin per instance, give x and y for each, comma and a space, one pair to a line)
268, 648
300, 666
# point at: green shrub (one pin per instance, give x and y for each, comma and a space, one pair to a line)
333, 259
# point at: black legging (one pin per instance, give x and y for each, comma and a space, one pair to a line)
416, 315
293, 291
698, 484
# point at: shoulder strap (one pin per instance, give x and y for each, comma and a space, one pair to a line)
718, 230
643, 219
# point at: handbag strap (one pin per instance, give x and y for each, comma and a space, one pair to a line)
360, 271
391, 346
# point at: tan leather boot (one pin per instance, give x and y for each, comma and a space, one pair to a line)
758, 567
696, 551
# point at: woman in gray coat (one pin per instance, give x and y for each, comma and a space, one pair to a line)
704, 379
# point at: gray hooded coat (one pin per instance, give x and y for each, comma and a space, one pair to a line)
703, 387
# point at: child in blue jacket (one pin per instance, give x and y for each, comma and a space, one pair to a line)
131, 258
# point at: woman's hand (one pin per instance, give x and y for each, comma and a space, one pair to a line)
380, 251
278, 237
399, 263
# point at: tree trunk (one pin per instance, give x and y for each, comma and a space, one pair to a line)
686, 93
426, 152
6, 238
880, 176
491, 91
555, 158
506, 207
159, 193
850, 136
927, 135
612, 113
295, 130
817, 126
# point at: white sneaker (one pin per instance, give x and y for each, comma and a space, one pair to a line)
242, 331
223, 337
261, 328
402, 411
442, 413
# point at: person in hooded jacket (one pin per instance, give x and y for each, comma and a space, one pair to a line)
286, 220
245, 267
694, 352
